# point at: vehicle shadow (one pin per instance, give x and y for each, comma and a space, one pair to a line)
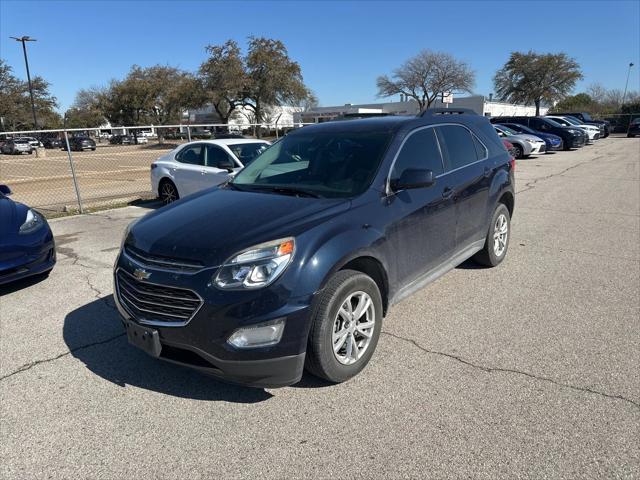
20, 284
94, 335
469, 264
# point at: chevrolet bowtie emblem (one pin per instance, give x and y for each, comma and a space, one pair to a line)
141, 274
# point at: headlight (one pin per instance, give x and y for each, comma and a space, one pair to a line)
32, 222
575, 132
257, 266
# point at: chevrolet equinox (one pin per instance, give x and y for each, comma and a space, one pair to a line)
294, 263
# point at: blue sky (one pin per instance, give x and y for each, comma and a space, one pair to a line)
341, 46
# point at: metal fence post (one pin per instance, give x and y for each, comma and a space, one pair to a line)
73, 172
188, 133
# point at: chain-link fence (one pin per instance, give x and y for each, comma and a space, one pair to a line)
77, 169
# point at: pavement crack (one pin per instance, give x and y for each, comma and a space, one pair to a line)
98, 295
512, 371
532, 184
30, 365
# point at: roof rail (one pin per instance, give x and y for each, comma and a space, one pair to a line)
446, 111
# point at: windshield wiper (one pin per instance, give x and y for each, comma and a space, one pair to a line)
285, 190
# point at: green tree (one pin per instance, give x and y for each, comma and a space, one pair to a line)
536, 78
15, 103
223, 78
272, 78
575, 103
427, 76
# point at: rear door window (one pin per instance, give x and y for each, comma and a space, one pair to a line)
420, 151
192, 155
458, 146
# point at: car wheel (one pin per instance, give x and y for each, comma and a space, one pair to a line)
93, 149
517, 151
630, 135
168, 192
346, 327
497, 241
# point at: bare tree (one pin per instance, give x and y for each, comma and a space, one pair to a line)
427, 76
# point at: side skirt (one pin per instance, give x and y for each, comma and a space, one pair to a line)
432, 275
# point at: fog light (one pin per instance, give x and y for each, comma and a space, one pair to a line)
259, 335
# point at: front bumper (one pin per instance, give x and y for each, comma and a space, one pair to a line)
201, 341
28, 265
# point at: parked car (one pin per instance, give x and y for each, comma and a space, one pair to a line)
26, 243
15, 146
297, 260
571, 137
523, 144
121, 140
80, 144
634, 128
509, 146
553, 142
52, 142
585, 117
201, 164
140, 140
592, 131
34, 142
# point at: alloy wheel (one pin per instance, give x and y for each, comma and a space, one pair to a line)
500, 234
168, 193
353, 328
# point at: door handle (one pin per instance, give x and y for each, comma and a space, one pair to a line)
447, 193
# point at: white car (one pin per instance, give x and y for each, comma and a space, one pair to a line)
140, 139
524, 144
34, 142
201, 164
592, 131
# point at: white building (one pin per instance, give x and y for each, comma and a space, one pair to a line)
478, 103
243, 117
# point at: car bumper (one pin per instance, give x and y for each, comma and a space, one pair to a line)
201, 341
577, 142
538, 148
27, 265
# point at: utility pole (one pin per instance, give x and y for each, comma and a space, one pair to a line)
24, 39
624, 96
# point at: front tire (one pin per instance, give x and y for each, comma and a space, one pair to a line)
346, 327
517, 151
168, 192
497, 242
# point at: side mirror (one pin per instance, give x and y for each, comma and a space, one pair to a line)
413, 178
5, 190
227, 165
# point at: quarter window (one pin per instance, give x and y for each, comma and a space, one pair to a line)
192, 155
420, 151
457, 145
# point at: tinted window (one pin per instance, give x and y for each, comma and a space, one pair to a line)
457, 145
193, 155
481, 150
419, 151
218, 158
247, 152
328, 164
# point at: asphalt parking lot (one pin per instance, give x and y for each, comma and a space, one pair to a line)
529, 370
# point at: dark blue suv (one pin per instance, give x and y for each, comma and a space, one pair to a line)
295, 262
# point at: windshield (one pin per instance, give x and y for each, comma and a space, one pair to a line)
508, 130
561, 121
331, 164
572, 121
248, 152
587, 117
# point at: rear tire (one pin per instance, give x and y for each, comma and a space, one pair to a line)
345, 327
168, 192
497, 242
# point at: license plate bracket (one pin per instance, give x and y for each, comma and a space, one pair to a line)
144, 338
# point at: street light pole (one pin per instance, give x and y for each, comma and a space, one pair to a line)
624, 96
24, 39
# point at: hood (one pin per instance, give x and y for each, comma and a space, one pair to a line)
212, 225
528, 136
9, 211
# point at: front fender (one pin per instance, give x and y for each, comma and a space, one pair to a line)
332, 251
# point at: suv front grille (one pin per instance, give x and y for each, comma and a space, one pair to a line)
156, 304
165, 263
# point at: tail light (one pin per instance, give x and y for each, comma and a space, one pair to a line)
513, 164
